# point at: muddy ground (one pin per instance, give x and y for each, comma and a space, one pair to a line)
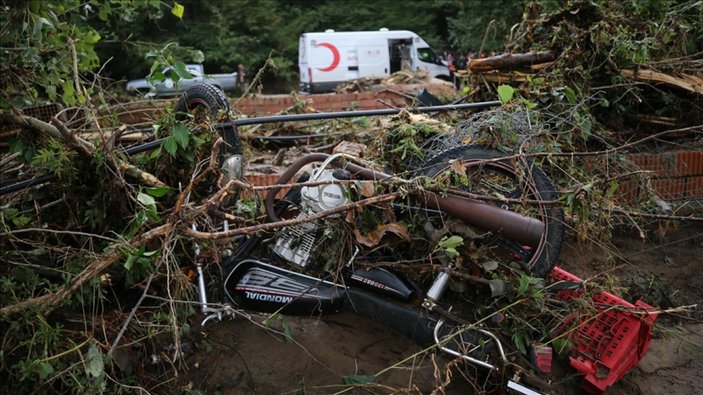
240, 357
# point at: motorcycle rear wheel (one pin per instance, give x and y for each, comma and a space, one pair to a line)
487, 174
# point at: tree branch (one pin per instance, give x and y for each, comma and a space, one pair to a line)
48, 302
58, 130
296, 221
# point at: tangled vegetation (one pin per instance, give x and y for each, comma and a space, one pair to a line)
109, 238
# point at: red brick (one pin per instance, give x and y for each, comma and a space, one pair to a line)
680, 191
671, 188
263, 180
340, 106
274, 108
370, 104
660, 164
694, 187
689, 163
657, 164
343, 97
659, 186
366, 95
326, 107
627, 192
399, 101
321, 98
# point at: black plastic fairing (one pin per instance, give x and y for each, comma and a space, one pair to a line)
382, 281
256, 285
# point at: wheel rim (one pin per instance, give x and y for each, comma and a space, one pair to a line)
496, 180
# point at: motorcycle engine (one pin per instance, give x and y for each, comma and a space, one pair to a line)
296, 243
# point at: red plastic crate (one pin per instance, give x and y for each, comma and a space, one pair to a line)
607, 344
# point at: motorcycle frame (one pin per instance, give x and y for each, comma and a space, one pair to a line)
529, 231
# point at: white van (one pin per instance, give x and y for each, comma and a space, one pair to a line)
326, 59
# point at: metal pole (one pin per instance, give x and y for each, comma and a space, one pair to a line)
352, 114
14, 187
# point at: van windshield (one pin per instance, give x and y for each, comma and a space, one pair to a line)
427, 55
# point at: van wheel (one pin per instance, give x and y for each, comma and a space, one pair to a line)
208, 100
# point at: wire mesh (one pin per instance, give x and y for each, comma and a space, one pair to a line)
484, 126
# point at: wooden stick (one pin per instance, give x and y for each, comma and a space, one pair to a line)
688, 82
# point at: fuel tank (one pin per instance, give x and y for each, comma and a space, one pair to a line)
258, 285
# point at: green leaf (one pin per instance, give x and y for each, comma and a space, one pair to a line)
170, 146
38, 25
561, 346
356, 379
148, 254
520, 340
287, 333
17, 146
129, 263
451, 242
157, 191
95, 363
91, 37
145, 199
157, 76
21, 221
361, 122
155, 154
182, 134
208, 346
523, 285
45, 21
569, 94
105, 11
51, 91
449, 245
612, 188
586, 127
36, 252
177, 10
68, 93
505, 93
185, 329
22, 275
527, 103
181, 71
45, 369
198, 56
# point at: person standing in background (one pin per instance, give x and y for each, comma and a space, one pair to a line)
242, 83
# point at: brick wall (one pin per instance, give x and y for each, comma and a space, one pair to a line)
329, 102
674, 175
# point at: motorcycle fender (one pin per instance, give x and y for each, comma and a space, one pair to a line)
257, 285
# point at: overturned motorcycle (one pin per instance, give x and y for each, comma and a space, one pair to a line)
463, 231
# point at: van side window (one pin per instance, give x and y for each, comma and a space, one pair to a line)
427, 55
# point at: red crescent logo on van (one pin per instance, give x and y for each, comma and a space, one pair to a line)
335, 56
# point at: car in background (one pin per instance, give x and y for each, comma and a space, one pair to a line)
169, 87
